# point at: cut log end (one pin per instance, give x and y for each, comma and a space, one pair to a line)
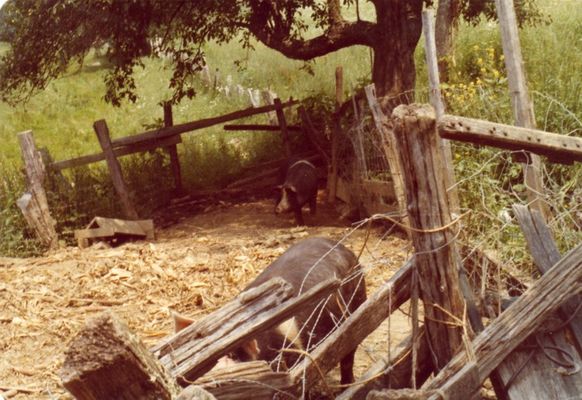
106, 361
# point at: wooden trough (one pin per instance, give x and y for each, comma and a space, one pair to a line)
112, 229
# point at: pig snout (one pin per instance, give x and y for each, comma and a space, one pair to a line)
284, 203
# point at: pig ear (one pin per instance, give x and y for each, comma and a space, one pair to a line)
180, 322
252, 349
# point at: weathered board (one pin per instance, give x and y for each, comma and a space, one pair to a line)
193, 351
558, 148
516, 323
355, 328
253, 379
115, 172
34, 203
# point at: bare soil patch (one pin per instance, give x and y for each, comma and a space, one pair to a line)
192, 267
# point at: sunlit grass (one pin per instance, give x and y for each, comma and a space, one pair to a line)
61, 117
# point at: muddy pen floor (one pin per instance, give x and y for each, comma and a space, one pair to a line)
193, 267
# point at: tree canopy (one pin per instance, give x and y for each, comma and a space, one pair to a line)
47, 35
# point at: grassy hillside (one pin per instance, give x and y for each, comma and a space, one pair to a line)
61, 118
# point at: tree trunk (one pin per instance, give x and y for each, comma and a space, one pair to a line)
398, 33
447, 22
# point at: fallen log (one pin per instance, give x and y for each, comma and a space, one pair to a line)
355, 328
193, 351
519, 321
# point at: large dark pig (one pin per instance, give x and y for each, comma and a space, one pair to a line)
298, 187
304, 265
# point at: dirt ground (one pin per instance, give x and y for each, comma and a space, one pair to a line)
194, 266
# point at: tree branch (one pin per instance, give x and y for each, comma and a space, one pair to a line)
335, 38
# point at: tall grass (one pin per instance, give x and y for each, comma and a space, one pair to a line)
61, 118
489, 179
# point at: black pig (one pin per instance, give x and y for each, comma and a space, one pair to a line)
299, 187
304, 265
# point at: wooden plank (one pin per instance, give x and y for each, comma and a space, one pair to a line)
114, 169
545, 254
283, 124
434, 89
121, 151
194, 125
559, 148
192, 352
34, 203
355, 328
94, 233
172, 150
437, 102
522, 107
516, 323
433, 233
394, 373
246, 380
106, 361
121, 226
259, 127
390, 151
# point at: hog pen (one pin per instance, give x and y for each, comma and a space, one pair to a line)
107, 361
186, 357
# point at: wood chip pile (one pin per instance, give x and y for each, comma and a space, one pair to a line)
193, 268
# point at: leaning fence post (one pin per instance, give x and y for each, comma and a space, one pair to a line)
283, 126
437, 102
392, 155
522, 108
173, 150
102, 132
33, 203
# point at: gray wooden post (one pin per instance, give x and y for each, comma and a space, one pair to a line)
392, 156
436, 257
173, 150
437, 102
268, 99
33, 203
283, 126
102, 132
335, 132
522, 108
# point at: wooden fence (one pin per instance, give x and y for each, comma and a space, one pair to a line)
35, 206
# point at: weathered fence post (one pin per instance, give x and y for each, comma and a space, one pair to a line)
173, 150
33, 203
335, 132
433, 232
283, 126
392, 156
268, 99
102, 132
437, 102
522, 108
